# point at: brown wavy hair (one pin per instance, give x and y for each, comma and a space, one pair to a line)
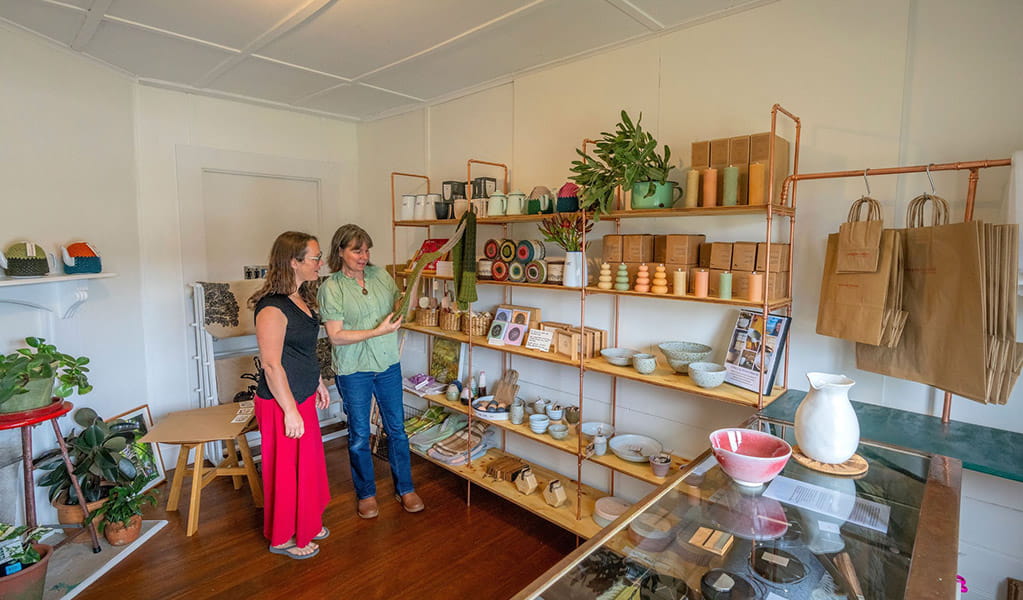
280, 278
344, 237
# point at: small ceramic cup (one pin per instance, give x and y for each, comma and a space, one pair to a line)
555, 412
644, 363
571, 415
660, 465
558, 431
517, 412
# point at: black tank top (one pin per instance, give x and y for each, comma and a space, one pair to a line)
298, 357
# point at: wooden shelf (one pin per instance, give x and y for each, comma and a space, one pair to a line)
563, 516
640, 471
614, 215
663, 376
774, 304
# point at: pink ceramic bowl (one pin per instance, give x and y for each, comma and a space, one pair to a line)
748, 456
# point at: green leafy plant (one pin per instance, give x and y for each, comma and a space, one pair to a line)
25, 553
566, 230
623, 158
96, 455
42, 361
123, 503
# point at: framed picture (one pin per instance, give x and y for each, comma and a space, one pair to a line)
144, 455
447, 360
750, 336
503, 314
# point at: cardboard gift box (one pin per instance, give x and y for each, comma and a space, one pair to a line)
759, 153
779, 257
720, 255
637, 248
704, 255
612, 249
744, 256
677, 248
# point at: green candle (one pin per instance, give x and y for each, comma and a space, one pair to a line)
725, 286
731, 186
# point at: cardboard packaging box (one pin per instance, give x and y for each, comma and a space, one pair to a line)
678, 248
776, 286
721, 255
612, 249
779, 257
701, 155
760, 147
719, 160
638, 248
705, 255
738, 157
713, 282
741, 285
744, 256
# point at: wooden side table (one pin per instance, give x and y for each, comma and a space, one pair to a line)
190, 430
25, 421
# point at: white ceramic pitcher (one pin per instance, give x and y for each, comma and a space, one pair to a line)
827, 429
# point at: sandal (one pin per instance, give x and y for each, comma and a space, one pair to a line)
324, 534
288, 551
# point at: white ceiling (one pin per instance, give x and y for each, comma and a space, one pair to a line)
350, 59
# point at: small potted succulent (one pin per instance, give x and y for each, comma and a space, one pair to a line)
121, 514
23, 560
29, 377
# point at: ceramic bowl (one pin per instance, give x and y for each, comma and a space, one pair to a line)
607, 509
644, 363
572, 415
558, 431
748, 456
684, 353
618, 356
651, 531
634, 448
555, 414
538, 423
707, 374
589, 429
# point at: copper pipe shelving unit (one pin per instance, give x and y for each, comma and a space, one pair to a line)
973, 167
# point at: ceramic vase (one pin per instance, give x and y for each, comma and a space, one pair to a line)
575, 270
827, 429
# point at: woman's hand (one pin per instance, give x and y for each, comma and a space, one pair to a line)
388, 325
322, 396
294, 427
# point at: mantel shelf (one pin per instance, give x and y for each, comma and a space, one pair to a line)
63, 298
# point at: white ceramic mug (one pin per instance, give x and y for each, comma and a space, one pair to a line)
420, 211
516, 204
408, 207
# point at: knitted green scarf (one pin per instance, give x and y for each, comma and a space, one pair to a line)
464, 257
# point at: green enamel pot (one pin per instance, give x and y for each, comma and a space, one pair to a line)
663, 196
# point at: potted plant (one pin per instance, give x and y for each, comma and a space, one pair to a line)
121, 514
27, 376
627, 158
24, 561
566, 230
96, 453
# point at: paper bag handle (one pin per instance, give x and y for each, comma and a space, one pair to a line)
915, 211
873, 210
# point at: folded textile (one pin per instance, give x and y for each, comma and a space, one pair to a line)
462, 441
489, 439
453, 424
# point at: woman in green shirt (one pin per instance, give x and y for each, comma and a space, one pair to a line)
356, 304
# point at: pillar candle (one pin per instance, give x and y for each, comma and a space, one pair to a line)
701, 281
692, 188
678, 283
756, 183
725, 286
756, 287
731, 186
710, 187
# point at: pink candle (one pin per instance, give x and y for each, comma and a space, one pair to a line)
710, 187
756, 286
701, 280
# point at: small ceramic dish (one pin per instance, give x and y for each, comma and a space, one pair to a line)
607, 509
558, 431
644, 363
539, 423
707, 374
589, 429
618, 356
633, 447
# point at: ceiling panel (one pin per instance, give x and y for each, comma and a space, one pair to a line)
153, 55
259, 78
353, 37
357, 100
232, 23
673, 12
55, 22
550, 31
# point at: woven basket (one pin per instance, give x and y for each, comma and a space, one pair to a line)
476, 323
450, 320
27, 267
427, 316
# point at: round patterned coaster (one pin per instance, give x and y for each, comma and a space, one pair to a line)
506, 251
855, 466
491, 248
516, 272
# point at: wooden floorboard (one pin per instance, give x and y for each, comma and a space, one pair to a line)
489, 550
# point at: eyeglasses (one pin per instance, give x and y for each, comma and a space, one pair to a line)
317, 258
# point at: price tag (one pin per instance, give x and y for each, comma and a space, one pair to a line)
781, 561
539, 340
241, 418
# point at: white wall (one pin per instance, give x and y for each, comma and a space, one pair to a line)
876, 84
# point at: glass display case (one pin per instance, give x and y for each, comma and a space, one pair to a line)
889, 534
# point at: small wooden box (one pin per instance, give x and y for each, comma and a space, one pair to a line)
779, 257
744, 256
525, 481
678, 248
612, 249
721, 255
712, 540
637, 248
701, 155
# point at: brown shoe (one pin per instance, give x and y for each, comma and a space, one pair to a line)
367, 508
411, 502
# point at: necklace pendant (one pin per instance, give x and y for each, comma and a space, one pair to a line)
365, 292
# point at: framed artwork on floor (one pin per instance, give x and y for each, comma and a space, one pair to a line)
144, 455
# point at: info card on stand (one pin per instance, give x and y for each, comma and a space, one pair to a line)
859, 511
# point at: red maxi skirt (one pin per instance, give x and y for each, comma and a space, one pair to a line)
295, 491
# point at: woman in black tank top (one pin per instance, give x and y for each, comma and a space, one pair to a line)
289, 392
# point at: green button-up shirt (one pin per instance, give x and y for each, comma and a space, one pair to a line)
341, 299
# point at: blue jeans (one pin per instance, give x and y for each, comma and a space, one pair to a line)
357, 391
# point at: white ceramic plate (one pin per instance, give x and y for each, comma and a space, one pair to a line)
633, 447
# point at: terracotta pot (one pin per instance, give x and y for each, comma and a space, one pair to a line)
28, 583
120, 535
71, 514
